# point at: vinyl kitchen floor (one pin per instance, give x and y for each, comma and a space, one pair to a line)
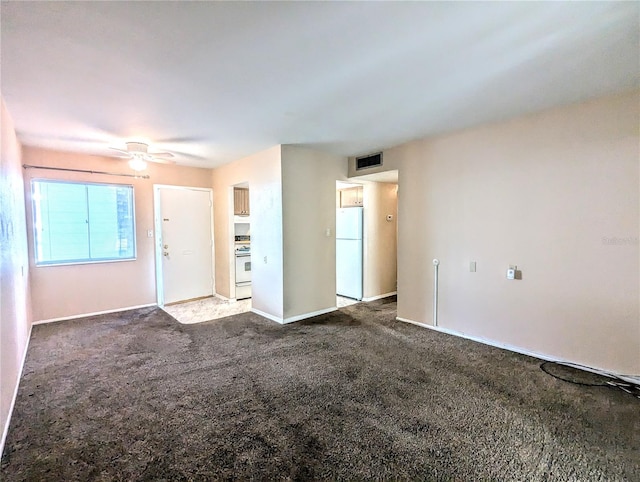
214, 308
207, 309
341, 301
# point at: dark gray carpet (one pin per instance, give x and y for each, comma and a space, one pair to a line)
349, 395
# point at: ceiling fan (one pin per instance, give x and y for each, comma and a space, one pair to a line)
138, 155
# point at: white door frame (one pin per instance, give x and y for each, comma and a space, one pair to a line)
157, 222
232, 237
232, 245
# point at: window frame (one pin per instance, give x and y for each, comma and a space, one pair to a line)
41, 264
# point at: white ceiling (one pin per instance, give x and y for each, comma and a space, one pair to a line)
221, 80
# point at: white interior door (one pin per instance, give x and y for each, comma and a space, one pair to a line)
185, 216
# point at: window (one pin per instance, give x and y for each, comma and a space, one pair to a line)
82, 223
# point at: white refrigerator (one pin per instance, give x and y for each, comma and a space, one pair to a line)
349, 252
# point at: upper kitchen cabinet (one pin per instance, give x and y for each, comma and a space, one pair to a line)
241, 201
351, 197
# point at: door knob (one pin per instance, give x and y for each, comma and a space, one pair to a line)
166, 246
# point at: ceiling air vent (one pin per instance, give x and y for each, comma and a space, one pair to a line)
365, 162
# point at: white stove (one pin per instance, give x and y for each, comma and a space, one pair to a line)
243, 250
243, 271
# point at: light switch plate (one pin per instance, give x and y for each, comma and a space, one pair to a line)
472, 266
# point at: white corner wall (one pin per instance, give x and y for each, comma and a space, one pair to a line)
309, 209
380, 236
15, 303
263, 173
555, 193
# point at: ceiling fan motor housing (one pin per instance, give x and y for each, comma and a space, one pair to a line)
137, 147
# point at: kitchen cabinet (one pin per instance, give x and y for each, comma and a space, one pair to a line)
351, 197
241, 201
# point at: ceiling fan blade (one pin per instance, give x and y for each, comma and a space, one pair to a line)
190, 156
161, 154
178, 140
161, 161
123, 151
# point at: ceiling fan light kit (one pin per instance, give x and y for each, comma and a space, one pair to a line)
137, 164
139, 155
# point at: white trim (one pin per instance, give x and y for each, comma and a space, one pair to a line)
522, 351
232, 238
379, 297
5, 429
423, 325
157, 227
85, 315
293, 319
436, 263
304, 316
76, 263
267, 315
213, 243
630, 378
223, 298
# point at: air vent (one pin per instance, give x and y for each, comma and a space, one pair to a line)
373, 160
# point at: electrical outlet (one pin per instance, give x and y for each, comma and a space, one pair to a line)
265, 260
472, 266
511, 272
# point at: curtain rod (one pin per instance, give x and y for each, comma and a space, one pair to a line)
29, 166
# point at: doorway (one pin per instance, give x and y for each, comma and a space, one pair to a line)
376, 195
349, 243
240, 242
184, 243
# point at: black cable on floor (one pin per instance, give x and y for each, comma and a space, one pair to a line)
628, 387
575, 382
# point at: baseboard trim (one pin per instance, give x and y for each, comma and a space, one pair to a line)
224, 298
267, 316
85, 315
379, 297
5, 430
293, 319
600, 371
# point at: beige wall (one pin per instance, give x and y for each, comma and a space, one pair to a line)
557, 194
63, 291
15, 305
263, 173
309, 209
380, 235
